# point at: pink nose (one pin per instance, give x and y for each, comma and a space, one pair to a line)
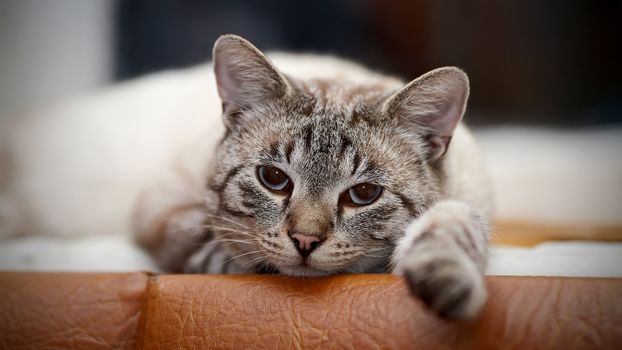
305, 243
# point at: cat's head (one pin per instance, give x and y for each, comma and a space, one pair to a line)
316, 177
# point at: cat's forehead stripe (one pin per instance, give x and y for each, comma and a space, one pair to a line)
341, 99
342, 93
308, 136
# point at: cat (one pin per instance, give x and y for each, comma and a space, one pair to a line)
349, 173
302, 165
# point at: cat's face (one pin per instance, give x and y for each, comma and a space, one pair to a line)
307, 181
298, 172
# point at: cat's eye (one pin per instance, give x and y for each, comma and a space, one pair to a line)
361, 194
274, 179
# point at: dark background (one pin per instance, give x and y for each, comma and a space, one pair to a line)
554, 62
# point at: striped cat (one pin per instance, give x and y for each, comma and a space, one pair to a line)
333, 170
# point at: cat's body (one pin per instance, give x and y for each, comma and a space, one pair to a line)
279, 187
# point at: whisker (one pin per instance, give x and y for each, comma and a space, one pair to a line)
222, 243
237, 257
259, 258
241, 255
274, 251
195, 240
229, 240
209, 226
179, 229
228, 220
258, 261
227, 229
232, 232
387, 249
266, 265
228, 237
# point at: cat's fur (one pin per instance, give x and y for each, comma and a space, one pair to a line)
329, 125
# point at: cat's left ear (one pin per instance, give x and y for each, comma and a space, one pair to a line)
431, 106
244, 77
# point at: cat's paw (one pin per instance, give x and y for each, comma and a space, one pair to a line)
442, 257
447, 282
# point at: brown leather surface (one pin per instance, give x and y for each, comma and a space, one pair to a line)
70, 311
373, 312
91, 311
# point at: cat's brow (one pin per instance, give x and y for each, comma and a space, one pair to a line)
272, 154
356, 160
289, 148
370, 166
345, 144
274, 150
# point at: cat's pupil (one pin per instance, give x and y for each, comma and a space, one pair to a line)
273, 178
364, 194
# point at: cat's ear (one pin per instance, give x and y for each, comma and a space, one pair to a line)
431, 106
244, 77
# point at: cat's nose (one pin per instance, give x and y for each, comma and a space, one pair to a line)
305, 243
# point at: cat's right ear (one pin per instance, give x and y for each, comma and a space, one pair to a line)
244, 77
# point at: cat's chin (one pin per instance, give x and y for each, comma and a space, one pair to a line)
303, 271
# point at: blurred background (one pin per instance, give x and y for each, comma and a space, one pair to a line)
551, 63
